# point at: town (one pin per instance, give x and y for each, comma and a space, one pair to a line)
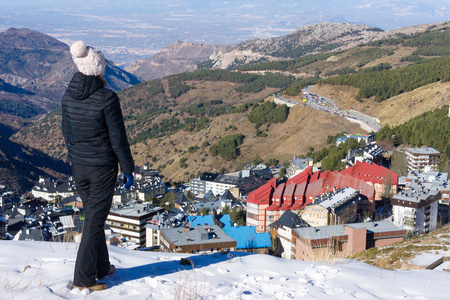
302, 214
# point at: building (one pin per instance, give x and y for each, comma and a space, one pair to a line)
332, 208
3, 223
51, 190
260, 170
168, 219
266, 204
71, 202
423, 159
214, 182
367, 138
281, 233
257, 203
239, 184
201, 239
298, 165
321, 243
151, 185
247, 239
416, 207
130, 221
383, 180
427, 180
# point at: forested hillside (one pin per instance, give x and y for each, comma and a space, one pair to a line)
220, 120
387, 83
430, 129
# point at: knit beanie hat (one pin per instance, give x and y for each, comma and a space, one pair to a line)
88, 60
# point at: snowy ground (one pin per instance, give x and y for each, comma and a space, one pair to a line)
38, 270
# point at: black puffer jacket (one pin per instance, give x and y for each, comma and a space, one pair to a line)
92, 125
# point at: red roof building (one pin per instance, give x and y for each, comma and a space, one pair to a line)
380, 178
266, 204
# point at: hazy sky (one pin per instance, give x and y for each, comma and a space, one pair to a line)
150, 25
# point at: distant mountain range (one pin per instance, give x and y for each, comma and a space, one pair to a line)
316, 38
34, 72
176, 58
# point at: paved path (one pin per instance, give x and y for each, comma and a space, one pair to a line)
326, 104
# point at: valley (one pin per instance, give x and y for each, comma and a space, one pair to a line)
194, 110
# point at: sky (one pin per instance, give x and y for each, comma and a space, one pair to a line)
142, 27
44, 270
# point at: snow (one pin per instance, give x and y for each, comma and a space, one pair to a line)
38, 270
425, 259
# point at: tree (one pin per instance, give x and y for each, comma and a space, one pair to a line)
150, 199
387, 193
226, 209
444, 165
204, 211
398, 163
190, 195
282, 172
238, 216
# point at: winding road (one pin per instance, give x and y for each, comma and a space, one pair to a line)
322, 103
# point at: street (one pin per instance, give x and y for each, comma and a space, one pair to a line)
326, 104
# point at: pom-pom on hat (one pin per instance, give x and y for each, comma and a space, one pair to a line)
88, 60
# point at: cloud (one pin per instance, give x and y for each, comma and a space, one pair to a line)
364, 6
247, 6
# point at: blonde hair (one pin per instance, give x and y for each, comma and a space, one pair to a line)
105, 83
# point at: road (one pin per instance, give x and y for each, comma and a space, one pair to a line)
326, 104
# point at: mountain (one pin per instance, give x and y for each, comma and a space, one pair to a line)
34, 72
21, 166
176, 124
45, 270
311, 39
175, 58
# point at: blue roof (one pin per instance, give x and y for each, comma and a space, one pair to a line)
201, 220
245, 236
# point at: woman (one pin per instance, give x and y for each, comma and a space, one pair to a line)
95, 136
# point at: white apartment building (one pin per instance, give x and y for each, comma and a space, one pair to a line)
423, 159
416, 210
130, 221
214, 182
48, 189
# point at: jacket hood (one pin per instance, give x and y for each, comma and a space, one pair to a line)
82, 86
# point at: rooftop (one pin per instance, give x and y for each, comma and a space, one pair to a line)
427, 150
135, 210
341, 197
325, 232
210, 234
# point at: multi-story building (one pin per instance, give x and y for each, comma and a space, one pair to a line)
266, 204
320, 243
298, 165
257, 203
240, 184
416, 210
367, 138
50, 190
423, 159
130, 221
200, 239
281, 233
332, 208
383, 180
214, 182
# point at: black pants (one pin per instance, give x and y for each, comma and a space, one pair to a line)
95, 185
